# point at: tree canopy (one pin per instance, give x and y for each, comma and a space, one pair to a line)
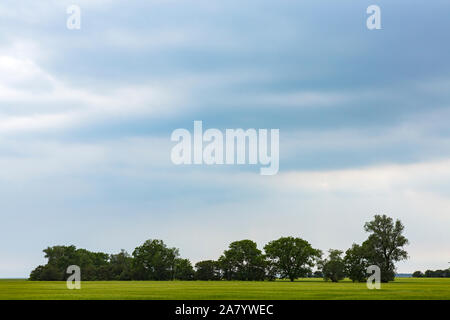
291, 257
356, 263
333, 268
385, 245
243, 261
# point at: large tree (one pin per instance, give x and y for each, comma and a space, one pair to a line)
385, 245
356, 263
292, 257
154, 261
243, 261
333, 268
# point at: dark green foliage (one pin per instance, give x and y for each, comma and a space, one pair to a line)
46, 273
385, 245
356, 263
271, 270
333, 268
243, 261
207, 270
94, 265
225, 268
418, 274
36, 274
121, 266
183, 269
151, 261
433, 274
291, 257
154, 261
286, 257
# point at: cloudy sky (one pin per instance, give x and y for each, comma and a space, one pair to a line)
86, 117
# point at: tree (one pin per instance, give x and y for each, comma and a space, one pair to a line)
207, 270
36, 274
59, 258
183, 269
333, 268
46, 273
154, 261
435, 273
429, 274
121, 265
225, 268
292, 257
94, 265
385, 245
243, 261
418, 274
356, 263
51, 273
271, 270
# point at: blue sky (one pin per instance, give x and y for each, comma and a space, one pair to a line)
86, 117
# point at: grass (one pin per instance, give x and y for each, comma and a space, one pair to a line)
402, 288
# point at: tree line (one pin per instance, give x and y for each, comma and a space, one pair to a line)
432, 274
284, 258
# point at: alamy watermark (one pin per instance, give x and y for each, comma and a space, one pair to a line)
373, 22
74, 280
236, 146
374, 281
74, 19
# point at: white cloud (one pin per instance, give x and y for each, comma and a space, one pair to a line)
386, 178
31, 105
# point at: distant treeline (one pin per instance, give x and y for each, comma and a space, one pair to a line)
432, 274
286, 258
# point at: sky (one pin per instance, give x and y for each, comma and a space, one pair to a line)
86, 118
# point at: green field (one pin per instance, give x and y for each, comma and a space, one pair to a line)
402, 288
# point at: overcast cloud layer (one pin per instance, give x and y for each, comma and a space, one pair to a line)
86, 118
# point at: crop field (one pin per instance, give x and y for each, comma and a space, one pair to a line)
402, 288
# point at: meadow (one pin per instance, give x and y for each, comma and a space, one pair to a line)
302, 289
